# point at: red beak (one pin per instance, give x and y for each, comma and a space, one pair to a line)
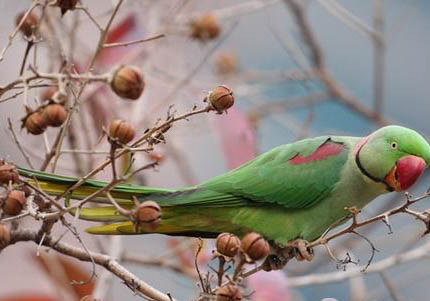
405, 173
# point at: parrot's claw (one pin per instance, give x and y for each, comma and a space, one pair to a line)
278, 258
281, 254
274, 262
302, 252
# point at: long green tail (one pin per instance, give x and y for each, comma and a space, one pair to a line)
181, 209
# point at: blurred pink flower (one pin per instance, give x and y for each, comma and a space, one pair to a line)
237, 137
269, 286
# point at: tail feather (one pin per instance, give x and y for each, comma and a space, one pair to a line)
56, 185
129, 228
193, 211
102, 214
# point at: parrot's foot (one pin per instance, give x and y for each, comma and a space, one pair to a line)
274, 263
281, 254
301, 249
278, 258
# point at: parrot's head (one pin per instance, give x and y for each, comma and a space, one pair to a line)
393, 155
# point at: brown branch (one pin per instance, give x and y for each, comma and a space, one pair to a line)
307, 33
131, 280
334, 87
158, 262
381, 217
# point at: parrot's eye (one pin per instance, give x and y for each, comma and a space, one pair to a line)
394, 145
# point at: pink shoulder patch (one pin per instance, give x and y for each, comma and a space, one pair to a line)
360, 144
324, 151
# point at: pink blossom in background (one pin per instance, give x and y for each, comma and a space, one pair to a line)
126, 29
237, 137
269, 286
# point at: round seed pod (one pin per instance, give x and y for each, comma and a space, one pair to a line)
122, 130
205, 28
4, 235
149, 212
14, 203
255, 246
228, 244
35, 123
221, 98
29, 26
8, 174
128, 82
228, 293
54, 114
226, 63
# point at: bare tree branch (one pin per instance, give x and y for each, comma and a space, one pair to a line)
131, 280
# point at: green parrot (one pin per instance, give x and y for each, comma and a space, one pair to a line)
294, 191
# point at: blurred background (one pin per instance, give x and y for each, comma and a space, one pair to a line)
372, 59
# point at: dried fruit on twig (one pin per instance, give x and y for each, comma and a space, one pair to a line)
4, 236
255, 246
226, 63
205, 28
122, 130
228, 293
34, 123
227, 244
14, 203
66, 5
54, 114
221, 98
128, 82
8, 174
148, 213
29, 26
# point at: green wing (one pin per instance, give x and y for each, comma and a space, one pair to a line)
275, 177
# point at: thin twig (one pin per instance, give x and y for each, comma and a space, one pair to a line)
376, 267
156, 37
56, 149
139, 141
18, 144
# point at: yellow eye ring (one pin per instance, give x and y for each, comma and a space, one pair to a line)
394, 145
